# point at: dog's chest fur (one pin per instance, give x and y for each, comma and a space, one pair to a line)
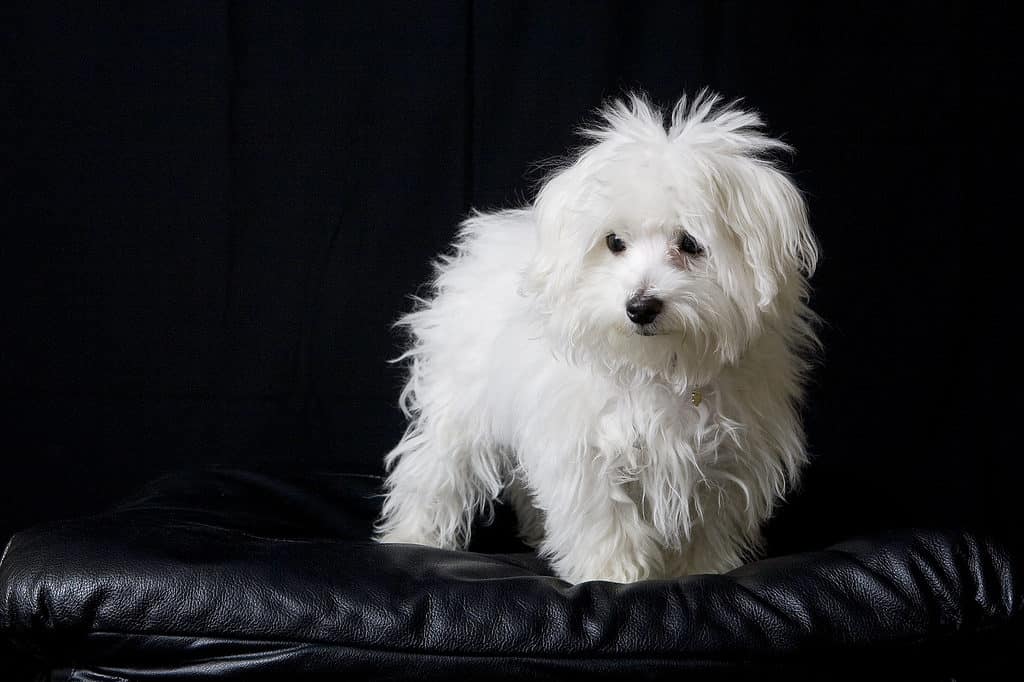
665, 452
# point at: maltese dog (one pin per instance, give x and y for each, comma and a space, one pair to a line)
623, 360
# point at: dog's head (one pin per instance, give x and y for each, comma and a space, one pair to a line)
668, 249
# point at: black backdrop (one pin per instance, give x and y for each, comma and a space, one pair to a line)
213, 212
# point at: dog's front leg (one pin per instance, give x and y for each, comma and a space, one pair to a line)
435, 488
593, 529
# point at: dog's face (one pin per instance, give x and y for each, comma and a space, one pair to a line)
669, 251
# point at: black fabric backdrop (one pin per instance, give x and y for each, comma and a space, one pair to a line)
214, 211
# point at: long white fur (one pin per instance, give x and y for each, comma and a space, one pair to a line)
526, 377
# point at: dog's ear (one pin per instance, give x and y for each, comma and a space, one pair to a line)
564, 235
768, 215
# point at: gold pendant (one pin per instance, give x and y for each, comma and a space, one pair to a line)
696, 397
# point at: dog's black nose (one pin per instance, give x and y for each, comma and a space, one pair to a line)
643, 309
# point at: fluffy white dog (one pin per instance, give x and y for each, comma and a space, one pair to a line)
623, 360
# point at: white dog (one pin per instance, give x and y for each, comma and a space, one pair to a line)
623, 359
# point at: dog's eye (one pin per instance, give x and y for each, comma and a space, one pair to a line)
688, 244
615, 245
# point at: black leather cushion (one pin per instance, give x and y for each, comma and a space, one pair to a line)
232, 574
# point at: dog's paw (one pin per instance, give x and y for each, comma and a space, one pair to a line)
405, 537
414, 534
621, 570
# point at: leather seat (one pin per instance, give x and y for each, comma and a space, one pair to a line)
234, 574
